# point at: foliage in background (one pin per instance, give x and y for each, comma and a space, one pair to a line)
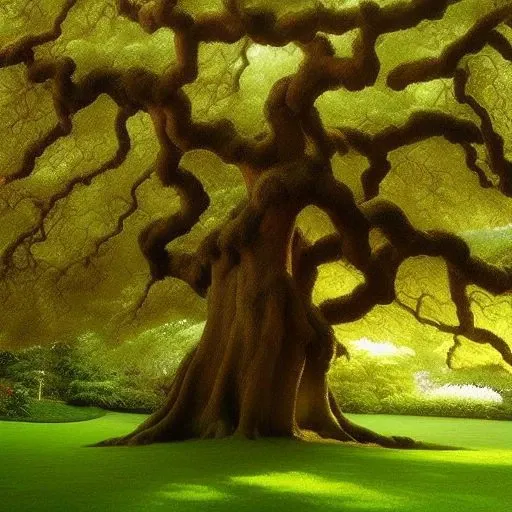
87, 371
134, 375
421, 386
112, 395
14, 400
362, 383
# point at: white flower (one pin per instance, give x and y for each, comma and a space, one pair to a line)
465, 391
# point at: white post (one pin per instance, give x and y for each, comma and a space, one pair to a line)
41, 374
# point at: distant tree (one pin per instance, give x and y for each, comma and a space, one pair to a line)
260, 367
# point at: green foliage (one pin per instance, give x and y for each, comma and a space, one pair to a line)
380, 385
14, 400
414, 404
87, 372
492, 244
135, 376
7, 359
86, 358
362, 399
26, 366
361, 384
494, 376
111, 395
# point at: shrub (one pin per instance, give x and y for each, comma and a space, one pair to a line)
418, 405
356, 398
360, 385
492, 375
7, 359
14, 400
110, 395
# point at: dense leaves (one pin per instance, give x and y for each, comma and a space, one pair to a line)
413, 95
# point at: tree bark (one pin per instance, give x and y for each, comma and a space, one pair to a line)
260, 368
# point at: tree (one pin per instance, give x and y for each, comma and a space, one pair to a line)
260, 367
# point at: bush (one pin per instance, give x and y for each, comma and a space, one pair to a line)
360, 385
7, 359
14, 400
355, 398
417, 405
492, 375
110, 395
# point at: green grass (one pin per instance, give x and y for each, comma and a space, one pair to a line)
46, 467
48, 411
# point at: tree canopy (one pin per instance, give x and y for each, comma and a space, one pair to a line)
408, 101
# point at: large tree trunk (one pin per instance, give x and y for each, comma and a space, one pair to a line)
260, 368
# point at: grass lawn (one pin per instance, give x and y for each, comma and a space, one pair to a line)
48, 411
45, 467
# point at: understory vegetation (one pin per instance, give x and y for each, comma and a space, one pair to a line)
87, 372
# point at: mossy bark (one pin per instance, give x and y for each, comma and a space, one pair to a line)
260, 368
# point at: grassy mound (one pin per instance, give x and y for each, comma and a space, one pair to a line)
48, 411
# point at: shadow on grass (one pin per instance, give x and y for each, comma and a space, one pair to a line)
278, 475
266, 475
